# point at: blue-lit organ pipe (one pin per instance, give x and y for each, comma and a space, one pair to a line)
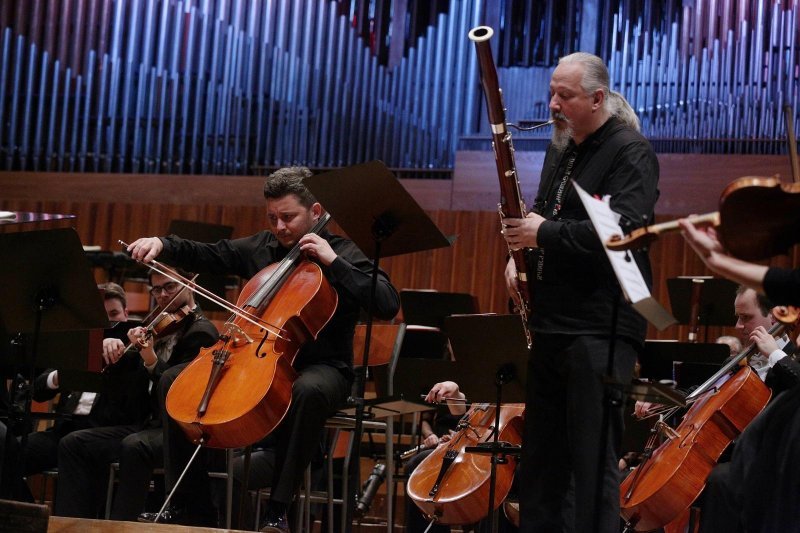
222, 86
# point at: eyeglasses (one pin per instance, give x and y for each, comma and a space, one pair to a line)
167, 288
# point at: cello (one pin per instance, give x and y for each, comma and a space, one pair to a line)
237, 391
451, 486
670, 478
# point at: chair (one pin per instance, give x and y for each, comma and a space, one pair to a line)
385, 344
113, 468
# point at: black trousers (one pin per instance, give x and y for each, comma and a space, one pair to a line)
12, 483
563, 434
83, 461
317, 393
140, 453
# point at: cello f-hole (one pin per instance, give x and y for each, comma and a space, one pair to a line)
259, 353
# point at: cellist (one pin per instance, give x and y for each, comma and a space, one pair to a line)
324, 366
764, 460
449, 394
772, 364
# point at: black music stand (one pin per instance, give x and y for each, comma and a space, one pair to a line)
49, 288
424, 312
410, 377
429, 308
659, 358
716, 301
503, 355
382, 219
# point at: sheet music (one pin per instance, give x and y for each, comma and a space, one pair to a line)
606, 224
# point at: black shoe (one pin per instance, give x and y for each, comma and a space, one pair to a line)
171, 515
281, 525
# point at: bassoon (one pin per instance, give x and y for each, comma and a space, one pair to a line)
511, 203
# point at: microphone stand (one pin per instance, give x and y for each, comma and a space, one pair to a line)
498, 450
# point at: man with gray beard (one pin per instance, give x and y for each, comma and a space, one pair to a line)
583, 328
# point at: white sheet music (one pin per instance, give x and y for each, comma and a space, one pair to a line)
606, 224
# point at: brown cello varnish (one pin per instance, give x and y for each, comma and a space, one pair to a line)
237, 391
462, 479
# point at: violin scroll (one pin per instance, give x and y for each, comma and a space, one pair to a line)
786, 314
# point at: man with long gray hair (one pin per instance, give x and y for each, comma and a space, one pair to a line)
583, 329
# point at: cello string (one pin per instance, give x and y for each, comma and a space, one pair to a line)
202, 291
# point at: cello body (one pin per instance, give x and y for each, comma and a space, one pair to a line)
462, 479
238, 390
662, 488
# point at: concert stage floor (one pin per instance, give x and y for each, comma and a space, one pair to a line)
60, 524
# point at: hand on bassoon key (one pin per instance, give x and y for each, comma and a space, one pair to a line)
512, 281
522, 232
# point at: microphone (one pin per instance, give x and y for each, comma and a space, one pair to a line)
370, 489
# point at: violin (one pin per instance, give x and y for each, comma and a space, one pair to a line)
758, 218
164, 324
451, 486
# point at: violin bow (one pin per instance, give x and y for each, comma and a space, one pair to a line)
164, 270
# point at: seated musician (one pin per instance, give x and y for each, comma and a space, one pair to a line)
121, 403
84, 456
12, 483
443, 426
753, 320
449, 394
325, 366
760, 491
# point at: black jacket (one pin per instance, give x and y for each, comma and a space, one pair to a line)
350, 275
577, 289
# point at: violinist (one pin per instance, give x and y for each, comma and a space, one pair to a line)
761, 490
76, 409
325, 365
772, 281
80, 410
574, 293
84, 456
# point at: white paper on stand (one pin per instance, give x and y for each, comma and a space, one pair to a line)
606, 224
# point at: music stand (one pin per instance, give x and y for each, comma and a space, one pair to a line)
504, 355
659, 357
429, 308
413, 378
49, 287
383, 220
716, 300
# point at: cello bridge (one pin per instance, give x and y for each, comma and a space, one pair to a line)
666, 430
238, 335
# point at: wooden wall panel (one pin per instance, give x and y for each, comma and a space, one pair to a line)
473, 264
